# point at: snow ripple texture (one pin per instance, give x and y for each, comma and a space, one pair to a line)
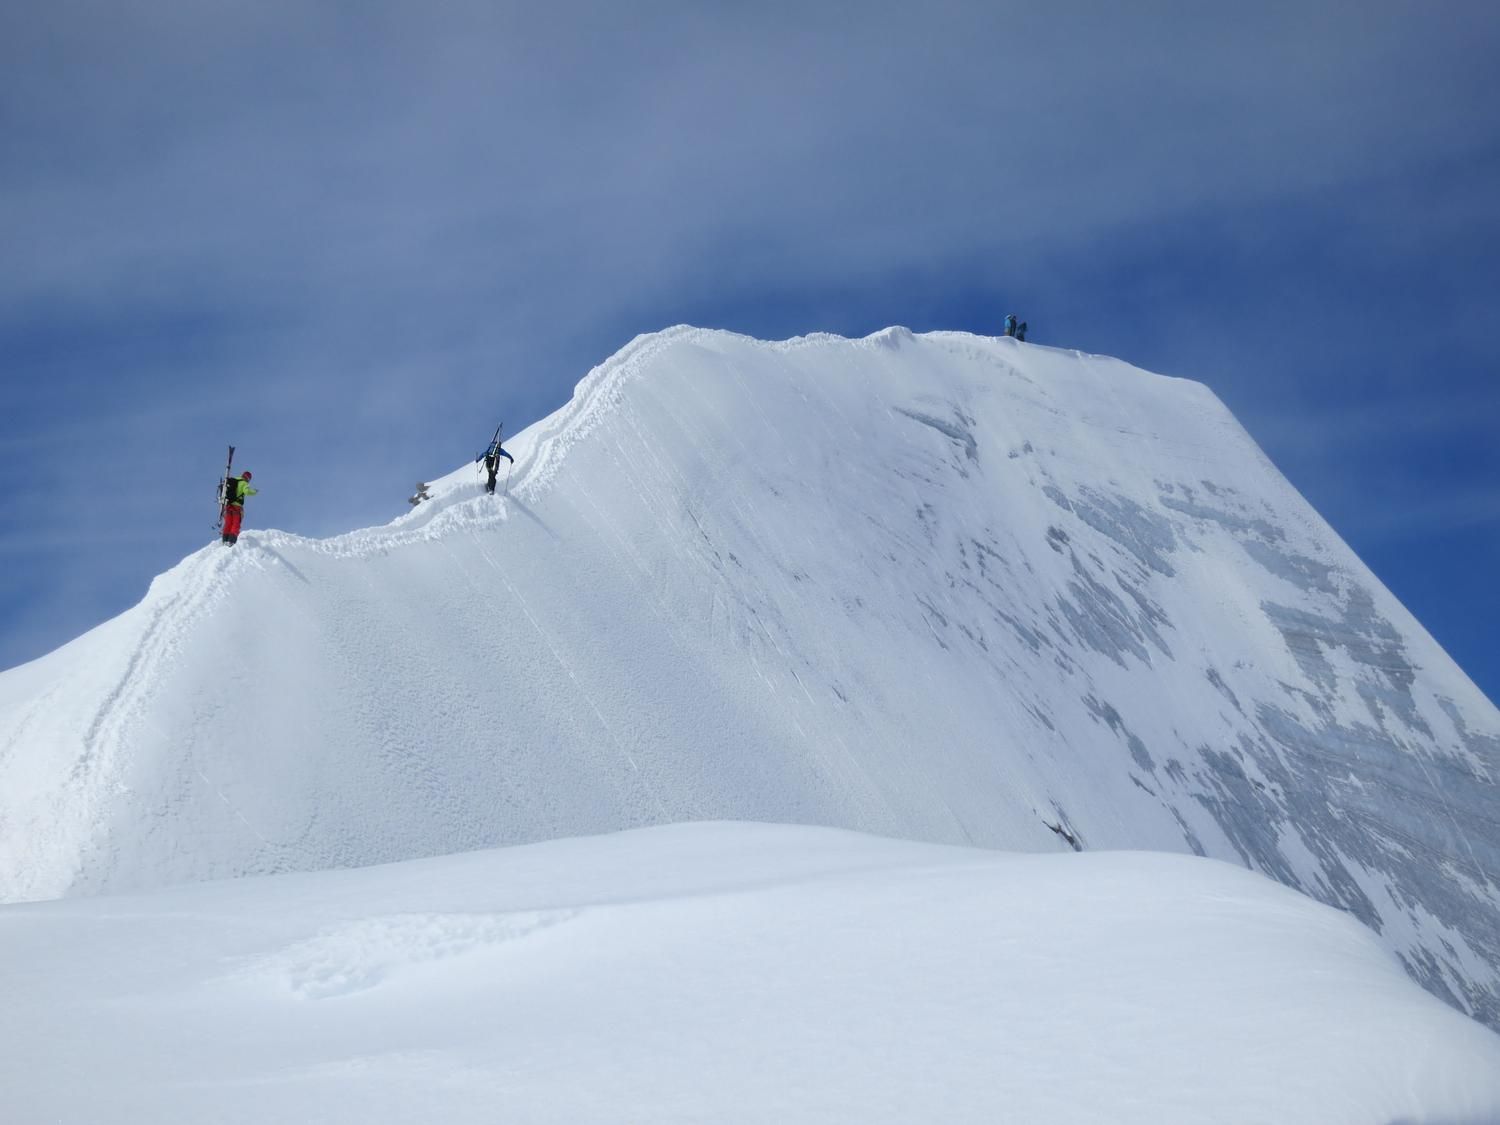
365, 954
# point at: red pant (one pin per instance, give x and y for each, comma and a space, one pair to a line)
233, 513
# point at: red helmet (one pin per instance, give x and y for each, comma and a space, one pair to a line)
246, 474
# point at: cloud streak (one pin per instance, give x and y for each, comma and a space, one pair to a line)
297, 156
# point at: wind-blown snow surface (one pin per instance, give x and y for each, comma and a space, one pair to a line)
727, 973
948, 588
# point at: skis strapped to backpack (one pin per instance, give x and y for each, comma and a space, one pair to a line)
224, 487
493, 446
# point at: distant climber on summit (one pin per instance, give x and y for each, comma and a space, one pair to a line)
1010, 324
235, 491
491, 458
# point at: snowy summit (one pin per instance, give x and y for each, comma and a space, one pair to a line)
947, 589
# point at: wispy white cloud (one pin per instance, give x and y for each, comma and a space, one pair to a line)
1413, 516
392, 152
1392, 423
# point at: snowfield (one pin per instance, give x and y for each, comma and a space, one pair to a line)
727, 973
945, 589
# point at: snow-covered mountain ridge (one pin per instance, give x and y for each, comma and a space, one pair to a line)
942, 587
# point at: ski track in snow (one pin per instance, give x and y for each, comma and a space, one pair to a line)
169, 615
171, 608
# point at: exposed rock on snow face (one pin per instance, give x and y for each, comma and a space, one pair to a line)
942, 587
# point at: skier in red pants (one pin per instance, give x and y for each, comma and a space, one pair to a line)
236, 489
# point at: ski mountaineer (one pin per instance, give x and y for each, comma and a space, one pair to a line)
1021, 332
235, 491
491, 457
1010, 324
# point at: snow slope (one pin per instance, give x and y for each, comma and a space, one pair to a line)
727, 973
948, 588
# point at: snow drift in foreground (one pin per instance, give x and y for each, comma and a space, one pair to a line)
945, 588
727, 972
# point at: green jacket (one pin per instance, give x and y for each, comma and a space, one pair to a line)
239, 489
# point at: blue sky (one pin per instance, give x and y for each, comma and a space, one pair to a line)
351, 237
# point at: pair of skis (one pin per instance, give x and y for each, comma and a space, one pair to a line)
490, 450
224, 487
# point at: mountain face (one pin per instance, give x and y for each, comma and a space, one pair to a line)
942, 587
